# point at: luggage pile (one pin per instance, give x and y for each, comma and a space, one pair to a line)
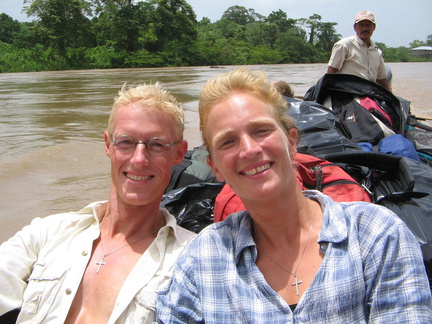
358, 142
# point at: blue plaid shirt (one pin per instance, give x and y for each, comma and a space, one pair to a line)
372, 271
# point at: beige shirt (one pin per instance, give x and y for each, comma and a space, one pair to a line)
352, 56
41, 268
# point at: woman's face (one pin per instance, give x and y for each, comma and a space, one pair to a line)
249, 149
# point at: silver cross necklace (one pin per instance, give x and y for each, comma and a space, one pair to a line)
296, 279
104, 255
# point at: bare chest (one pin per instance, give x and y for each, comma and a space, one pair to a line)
101, 284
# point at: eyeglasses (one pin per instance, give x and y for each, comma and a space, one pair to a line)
156, 146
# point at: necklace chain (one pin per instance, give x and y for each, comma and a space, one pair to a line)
296, 281
104, 255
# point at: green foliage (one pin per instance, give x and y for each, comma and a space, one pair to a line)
143, 58
100, 57
239, 15
264, 34
14, 59
295, 50
400, 54
9, 28
63, 22
417, 43
174, 20
327, 37
262, 55
102, 34
281, 20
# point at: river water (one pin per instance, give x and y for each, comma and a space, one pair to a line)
52, 124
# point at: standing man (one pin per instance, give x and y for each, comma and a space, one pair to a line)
358, 54
106, 263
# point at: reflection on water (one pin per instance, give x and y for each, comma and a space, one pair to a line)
52, 124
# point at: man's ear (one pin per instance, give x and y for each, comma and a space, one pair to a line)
181, 151
107, 143
215, 170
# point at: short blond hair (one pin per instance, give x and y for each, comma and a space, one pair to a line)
242, 80
150, 97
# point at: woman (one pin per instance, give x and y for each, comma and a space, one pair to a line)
293, 256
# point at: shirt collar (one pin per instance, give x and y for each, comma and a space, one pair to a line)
334, 226
244, 237
97, 209
362, 43
333, 229
170, 223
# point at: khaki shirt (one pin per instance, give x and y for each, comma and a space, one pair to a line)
352, 56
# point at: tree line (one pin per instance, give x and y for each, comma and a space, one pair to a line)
100, 34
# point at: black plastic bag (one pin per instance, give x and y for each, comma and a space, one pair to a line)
192, 205
321, 131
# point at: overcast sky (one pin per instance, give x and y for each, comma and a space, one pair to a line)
399, 22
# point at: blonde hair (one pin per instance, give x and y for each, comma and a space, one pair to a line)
245, 81
150, 97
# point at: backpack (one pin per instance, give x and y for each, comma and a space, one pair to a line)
401, 184
192, 169
192, 190
346, 86
311, 173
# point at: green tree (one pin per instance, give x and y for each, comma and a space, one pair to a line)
296, 50
264, 55
262, 34
391, 54
9, 28
26, 38
228, 29
417, 43
327, 36
125, 25
64, 22
174, 21
314, 25
281, 20
240, 15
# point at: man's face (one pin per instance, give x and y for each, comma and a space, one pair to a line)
138, 176
364, 30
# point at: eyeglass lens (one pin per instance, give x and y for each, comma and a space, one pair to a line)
126, 144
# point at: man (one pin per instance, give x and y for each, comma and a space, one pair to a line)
105, 263
358, 54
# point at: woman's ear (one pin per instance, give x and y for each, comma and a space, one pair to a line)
293, 140
215, 170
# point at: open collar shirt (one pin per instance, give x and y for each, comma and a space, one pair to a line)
372, 271
42, 266
351, 55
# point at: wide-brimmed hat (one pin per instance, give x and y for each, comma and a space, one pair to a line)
365, 15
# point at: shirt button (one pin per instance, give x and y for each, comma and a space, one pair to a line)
68, 291
84, 253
